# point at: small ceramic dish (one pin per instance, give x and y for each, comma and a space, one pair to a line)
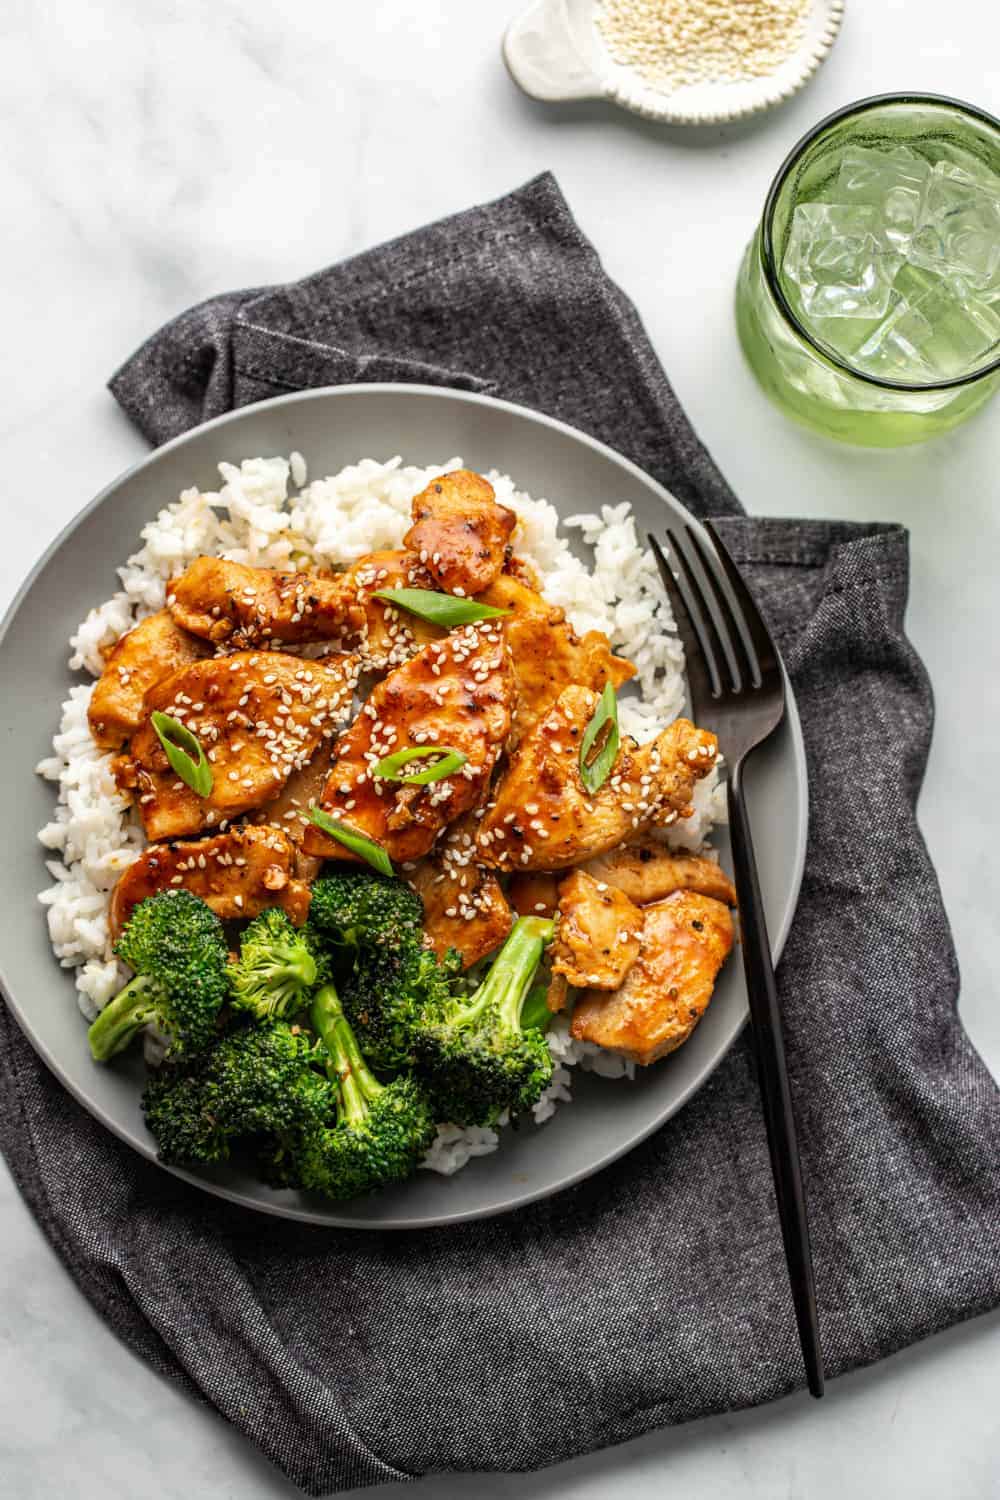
554, 52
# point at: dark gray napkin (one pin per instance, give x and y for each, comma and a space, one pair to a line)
656, 1291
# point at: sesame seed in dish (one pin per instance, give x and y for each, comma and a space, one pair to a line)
673, 44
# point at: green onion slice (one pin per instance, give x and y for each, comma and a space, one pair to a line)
388, 769
595, 765
353, 840
183, 751
440, 609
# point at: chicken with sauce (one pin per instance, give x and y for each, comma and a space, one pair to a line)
543, 818
149, 652
389, 635
649, 870
534, 893
238, 874
547, 653
641, 930
460, 533
464, 904
258, 716
456, 693
289, 810
458, 543
598, 936
684, 942
231, 604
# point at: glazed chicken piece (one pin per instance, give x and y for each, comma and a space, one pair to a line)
542, 818
648, 871
547, 653
597, 938
289, 810
522, 571
238, 874
685, 941
464, 906
232, 604
137, 662
558, 992
459, 532
457, 692
390, 635
534, 894
258, 716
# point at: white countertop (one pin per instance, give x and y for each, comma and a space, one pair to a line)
153, 154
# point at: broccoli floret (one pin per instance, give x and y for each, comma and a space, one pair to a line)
389, 977
381, 1131
475, 1053
365, 908
176, 945
278, 967
257, 1081
388, 992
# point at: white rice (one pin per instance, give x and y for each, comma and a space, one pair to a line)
267, 514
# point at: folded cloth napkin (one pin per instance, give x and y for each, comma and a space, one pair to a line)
656, 1291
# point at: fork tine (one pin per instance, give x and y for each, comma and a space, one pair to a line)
702, 677
767, 656
744, 664
711, 633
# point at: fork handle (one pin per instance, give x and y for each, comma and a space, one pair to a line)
769, 1046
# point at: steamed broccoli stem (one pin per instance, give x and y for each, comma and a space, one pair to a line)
131, 1009
477, 1055
358, 1085
535, 1013
510, 978
381, 1130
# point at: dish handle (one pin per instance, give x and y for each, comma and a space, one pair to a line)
544, 57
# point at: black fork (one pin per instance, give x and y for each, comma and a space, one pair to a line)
737, 690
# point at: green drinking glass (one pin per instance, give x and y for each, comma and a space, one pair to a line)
868, 301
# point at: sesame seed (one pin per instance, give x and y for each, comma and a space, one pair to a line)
673, 43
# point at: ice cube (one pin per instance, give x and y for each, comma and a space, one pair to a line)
836, 260
892, 181
958, 156
959, 229
893, 351
937, 329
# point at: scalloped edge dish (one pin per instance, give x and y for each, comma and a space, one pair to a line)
554, 52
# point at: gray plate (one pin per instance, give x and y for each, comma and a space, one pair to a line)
332, 428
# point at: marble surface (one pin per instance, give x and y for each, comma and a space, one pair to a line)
151, 155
